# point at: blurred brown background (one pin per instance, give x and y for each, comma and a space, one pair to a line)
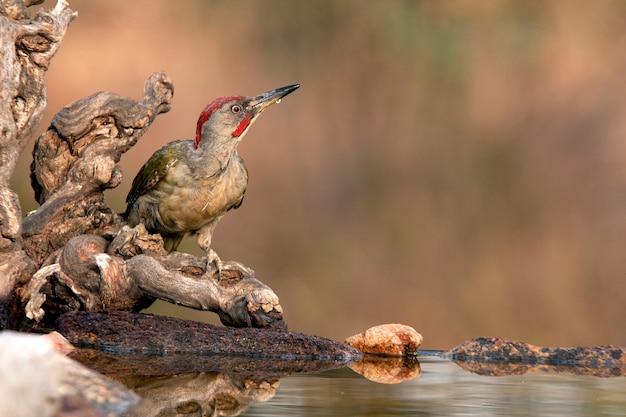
456, 166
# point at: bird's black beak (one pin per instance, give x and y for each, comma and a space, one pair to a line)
264, 100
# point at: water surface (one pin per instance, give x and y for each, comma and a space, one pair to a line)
444, 389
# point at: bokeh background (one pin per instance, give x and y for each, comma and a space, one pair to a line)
456, 166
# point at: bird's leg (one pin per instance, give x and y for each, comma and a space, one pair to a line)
205, 235
213, 258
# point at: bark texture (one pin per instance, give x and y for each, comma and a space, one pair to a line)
74, 252
127, 333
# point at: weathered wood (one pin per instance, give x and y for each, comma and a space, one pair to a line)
91, 274
124, 332
26, 48
74, 252
76, 159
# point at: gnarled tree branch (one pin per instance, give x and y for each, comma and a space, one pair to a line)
74, 252
76, 159
26, 48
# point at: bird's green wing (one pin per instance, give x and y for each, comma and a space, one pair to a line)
151, 173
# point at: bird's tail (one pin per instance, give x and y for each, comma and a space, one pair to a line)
171, 242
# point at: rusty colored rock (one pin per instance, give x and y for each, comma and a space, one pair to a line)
387, 370
387, 340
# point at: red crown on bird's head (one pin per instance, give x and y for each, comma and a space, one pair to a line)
218, 103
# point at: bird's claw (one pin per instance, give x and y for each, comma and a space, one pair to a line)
213, 258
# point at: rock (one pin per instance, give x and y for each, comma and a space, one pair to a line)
37, 380
497, 356
30, 374
59, 343
387, 340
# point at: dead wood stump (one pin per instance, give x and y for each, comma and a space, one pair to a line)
74, 252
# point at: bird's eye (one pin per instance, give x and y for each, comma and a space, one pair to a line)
236, 108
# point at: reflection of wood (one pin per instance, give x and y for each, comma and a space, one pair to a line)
497, 356
179, 365
121, 365
74, 252
199, 394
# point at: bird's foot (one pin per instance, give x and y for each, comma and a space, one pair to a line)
214, 259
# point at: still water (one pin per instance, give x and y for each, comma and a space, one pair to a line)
445, 389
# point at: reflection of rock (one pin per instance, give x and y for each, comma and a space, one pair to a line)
204, 393
387, 370
36, 380
387, 340
497, 356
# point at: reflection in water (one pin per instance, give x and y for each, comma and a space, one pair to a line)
387, 370
199, 394
444, 389
507, 369
196, 385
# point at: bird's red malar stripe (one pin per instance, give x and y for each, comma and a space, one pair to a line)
206, 113
242, 126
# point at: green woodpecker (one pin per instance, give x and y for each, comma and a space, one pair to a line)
188, 185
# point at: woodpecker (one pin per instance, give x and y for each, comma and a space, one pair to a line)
188, 185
